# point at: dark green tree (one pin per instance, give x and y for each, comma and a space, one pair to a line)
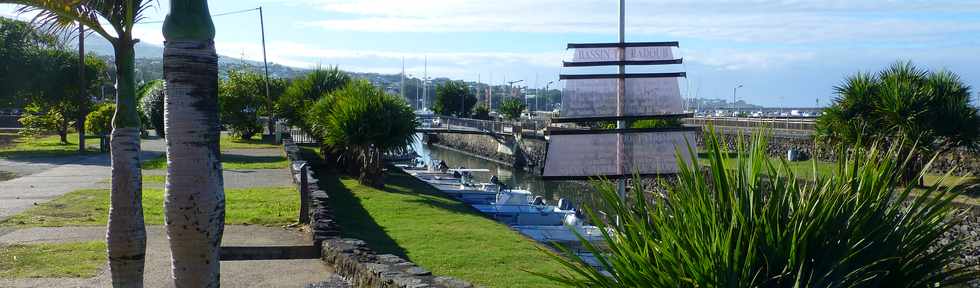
53, 90
481, 112
241, 98
19, 44
903, 105
512, 108
454, 98
303, 92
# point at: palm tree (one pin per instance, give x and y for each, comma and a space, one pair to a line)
903, 105
194, 200
126, 235
363, 122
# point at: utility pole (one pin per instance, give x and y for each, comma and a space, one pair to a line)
425, 83
734, 103
546, 91
268, 94
82, 90
402, 89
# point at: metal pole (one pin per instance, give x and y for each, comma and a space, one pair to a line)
268, 94
621, 124
304, 194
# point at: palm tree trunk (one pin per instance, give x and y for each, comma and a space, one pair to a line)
126, 235
195, 199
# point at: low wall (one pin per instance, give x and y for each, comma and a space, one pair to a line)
351, 258
531, 151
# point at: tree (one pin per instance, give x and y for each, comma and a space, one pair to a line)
151, 101
903, 105
194, 208
512, 108
454, 98
364, 122
125, 235
52, 91
303, 92
240, 99
753, 223
481, 112
19, 43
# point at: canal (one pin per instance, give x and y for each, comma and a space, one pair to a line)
577, 192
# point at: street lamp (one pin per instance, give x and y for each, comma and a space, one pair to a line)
536, 103
734, 105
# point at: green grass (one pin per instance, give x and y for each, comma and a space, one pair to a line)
46, 146
230, 142
260, 206
440, 234
55, 260
230, 161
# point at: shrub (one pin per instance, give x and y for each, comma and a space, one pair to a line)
36, 121
363, 122
292, 106
512, 108
481, 112
99, 122
152, 96
755, 224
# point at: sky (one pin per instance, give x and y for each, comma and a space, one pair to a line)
788, 53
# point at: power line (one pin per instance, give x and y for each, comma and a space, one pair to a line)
212, 15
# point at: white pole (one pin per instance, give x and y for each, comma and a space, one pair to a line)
425, 83
621, 124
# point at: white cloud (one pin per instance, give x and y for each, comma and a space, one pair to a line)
775, 21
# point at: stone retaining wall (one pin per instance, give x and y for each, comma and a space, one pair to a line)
351, 258
532, 151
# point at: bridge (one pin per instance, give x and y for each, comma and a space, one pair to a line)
797, 127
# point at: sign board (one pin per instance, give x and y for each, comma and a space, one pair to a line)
604, 54
644, 97
589, 155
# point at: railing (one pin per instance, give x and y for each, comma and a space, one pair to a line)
745, 122
450, 124
296, 134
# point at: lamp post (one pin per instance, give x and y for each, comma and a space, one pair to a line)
536, 103
734, 104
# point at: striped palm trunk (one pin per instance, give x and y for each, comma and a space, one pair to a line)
195, 200
126, 234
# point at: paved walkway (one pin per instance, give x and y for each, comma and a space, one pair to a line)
270, 273
55, 179
47, 178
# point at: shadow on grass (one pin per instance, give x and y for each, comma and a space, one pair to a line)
431, 197
354, 220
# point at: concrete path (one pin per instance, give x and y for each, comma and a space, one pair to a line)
271, 273
48, 178
56, 179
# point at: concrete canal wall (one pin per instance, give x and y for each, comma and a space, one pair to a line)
528, 153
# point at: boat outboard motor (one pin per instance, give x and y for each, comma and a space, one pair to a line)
538, 200
457, 175
564, 204
494, 180
443, 167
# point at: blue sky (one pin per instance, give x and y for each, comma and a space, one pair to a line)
785, 53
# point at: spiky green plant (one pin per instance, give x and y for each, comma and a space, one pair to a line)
363, 122
755, 224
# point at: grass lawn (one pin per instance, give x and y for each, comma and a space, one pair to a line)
230, 161
76, 260
261, 206
440, 234
231, 142
46, 146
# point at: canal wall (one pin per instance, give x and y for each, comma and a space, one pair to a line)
528, 153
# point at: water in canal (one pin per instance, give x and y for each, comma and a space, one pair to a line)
577, 192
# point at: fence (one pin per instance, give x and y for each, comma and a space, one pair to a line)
528, 127
296, 134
